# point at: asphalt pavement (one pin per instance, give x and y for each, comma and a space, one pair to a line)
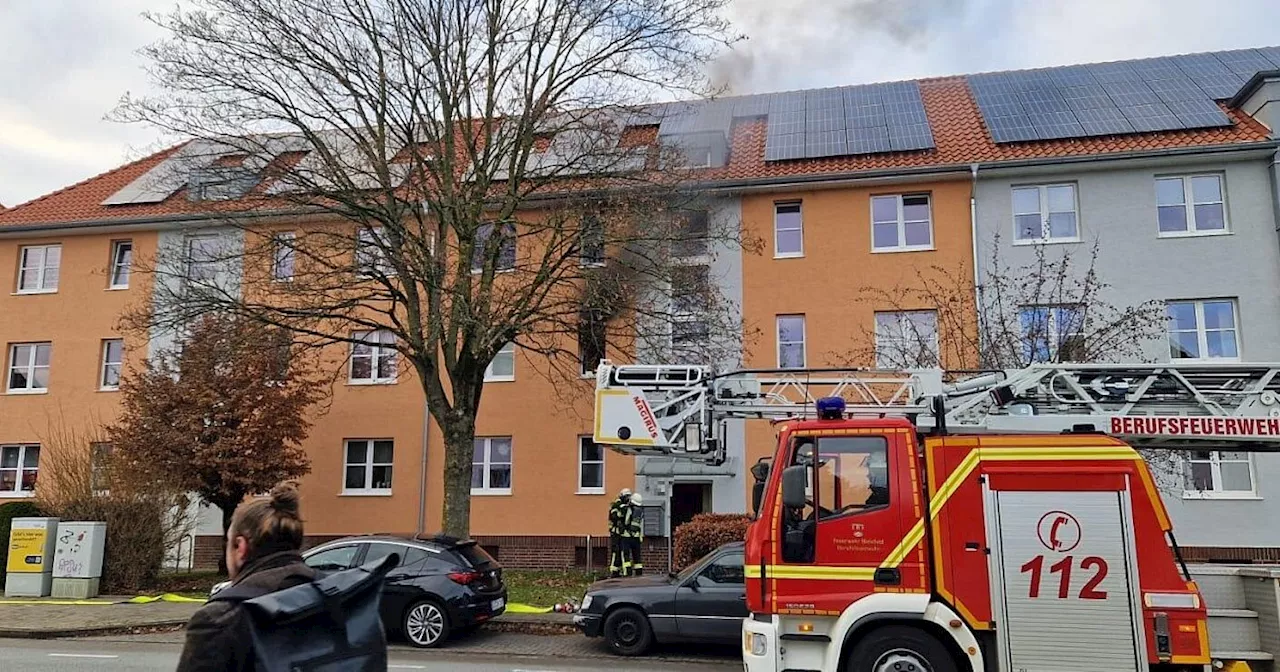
123, 654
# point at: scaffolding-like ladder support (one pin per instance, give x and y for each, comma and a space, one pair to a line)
677, 409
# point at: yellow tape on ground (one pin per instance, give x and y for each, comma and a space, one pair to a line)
518, 608
167, 597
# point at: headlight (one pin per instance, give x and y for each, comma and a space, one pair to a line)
586, 601
755, 643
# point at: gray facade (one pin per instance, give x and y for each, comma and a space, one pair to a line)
655, 476
1116, 203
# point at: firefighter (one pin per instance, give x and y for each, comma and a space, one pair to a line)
617, 520
633, 564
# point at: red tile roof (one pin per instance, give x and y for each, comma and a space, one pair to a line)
958, 130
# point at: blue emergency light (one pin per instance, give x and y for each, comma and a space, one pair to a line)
830, 408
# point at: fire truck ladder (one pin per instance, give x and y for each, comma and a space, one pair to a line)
682, 409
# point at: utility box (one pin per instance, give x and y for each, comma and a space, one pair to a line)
30, 565
77, 560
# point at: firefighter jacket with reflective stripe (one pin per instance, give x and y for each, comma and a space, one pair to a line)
634, 524
617, 516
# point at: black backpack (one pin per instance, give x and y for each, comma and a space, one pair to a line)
328, 625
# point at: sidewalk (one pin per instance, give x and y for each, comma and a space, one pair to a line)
46, 619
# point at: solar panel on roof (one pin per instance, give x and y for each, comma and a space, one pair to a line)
1198, 113
826, 143
1271, 54
869, 141
785, 146
1151, 117
1103, 121
847, 120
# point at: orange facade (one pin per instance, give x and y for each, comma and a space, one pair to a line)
836, 283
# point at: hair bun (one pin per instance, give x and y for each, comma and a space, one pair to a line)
284, 498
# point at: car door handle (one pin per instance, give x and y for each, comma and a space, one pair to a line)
742, 598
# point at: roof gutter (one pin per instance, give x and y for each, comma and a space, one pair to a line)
158, 221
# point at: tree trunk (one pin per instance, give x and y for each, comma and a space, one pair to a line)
227, 511
459, 435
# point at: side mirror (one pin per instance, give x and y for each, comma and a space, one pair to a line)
757, 494
795, 479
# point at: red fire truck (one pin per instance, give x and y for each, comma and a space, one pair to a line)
926, 521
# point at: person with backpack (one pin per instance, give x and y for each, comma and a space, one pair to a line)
278, 613
633, 537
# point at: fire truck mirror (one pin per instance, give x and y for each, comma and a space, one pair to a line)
757, 494
794, 482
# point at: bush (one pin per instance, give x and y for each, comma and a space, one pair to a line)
8, 512
705, 533
135, 540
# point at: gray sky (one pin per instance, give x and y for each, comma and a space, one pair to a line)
66, 62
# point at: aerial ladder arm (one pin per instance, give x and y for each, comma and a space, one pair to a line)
681, 409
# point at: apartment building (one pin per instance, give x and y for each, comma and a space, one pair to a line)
854, 194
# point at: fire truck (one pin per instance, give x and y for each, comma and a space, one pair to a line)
935, 521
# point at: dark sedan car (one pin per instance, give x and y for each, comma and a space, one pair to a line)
440, 585
704, 603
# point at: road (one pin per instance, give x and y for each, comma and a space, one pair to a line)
117, 655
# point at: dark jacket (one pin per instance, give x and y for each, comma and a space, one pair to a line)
218, 635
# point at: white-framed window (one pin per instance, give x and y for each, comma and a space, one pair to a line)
591, 241
1203, 329
1190, 205
371, 254
590, 467
38, 268
112, 362
1212, 473
1052, 333
901, 223
791, 348
283, 255
593, 341
506, 247
19, 465
491, 466
373, 357
691, 239
907, 339
121, 264
29, 367
1045, 213
503, 366
204, 254
368, 465
788, 230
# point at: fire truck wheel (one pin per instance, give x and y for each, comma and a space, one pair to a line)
899, 648
627, 632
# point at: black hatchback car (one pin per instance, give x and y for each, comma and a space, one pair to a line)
440, 586
704, 603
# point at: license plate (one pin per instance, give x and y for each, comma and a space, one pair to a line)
497, 604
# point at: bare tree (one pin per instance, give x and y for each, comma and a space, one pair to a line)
441, 178
1055, 308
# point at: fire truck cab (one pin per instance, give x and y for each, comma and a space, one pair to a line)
875, 551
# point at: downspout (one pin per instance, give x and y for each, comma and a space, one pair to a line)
973, 235
422, 477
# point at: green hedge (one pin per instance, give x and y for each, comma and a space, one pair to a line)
9, 511
705, 533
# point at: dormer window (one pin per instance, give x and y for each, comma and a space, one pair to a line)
221, 182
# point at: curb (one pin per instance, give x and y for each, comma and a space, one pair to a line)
527, 627
159, 626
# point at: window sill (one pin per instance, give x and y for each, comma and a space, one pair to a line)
591, 264
1229, 496
892, 250
505, 379
108, 389
17, 495
1046, 241
490, 493
1193, 234
590, 492
283, 281
28, 292
365, 493
1203, 360
365, 383
788, 255
117, 289
25, 392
